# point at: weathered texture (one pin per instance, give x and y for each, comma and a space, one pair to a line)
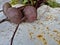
44, 31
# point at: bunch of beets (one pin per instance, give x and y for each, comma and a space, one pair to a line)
26, 13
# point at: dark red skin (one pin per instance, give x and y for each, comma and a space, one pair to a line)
14, 15
30, 13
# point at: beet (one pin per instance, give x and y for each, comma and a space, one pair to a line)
14, 15
30, 13
17, 15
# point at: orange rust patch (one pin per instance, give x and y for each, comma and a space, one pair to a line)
55, 30
49, 17
40, 37
47, 28
58, 34
31, 34
34, 27
41, 23
58, 42
51, 35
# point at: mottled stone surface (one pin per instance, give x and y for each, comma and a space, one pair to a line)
44, 31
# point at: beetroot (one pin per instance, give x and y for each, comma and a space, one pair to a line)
30, 13
14, 15
17, 15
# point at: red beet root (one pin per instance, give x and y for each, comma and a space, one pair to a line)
30, 13
14, 15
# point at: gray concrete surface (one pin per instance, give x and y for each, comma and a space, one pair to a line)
44, 31
2, 2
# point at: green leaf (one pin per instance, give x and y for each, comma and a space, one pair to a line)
13, 2
25, 1
53, 3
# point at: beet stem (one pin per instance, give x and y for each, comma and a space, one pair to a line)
28, 1
16, 30
32, 1
14, 34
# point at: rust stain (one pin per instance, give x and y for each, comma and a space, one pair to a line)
51, 35
41, 23
34, 28
31, 33
47, 28
55, 30
49, 17
58, 42
57, 36
57, 33
40, 37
